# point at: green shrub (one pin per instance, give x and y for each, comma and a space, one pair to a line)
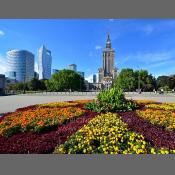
110, 101
10, 131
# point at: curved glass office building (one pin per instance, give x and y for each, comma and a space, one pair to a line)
20, 64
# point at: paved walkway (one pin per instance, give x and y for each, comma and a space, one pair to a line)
167, 98
11, 103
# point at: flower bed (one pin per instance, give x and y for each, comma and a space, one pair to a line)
159, 117
145, 102
83, 101
165, 106
107, 134
32, 142
156, 135
37, 120
58, 104
42, 128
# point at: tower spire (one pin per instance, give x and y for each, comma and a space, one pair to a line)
108, 42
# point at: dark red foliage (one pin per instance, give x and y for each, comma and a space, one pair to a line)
156, 135
24, 143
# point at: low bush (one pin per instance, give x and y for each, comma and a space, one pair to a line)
111, 101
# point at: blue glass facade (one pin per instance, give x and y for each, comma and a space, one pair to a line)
81, 73
44, 63
55, 71
20, 64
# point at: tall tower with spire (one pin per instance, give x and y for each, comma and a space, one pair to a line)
109, 71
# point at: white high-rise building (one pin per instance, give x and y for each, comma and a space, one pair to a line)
44, 63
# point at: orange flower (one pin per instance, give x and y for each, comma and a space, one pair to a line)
39, 117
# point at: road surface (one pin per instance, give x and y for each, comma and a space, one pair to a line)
11, 103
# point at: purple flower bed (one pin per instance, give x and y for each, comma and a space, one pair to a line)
156, 135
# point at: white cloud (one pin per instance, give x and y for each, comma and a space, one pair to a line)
150, 57
90, 54
2, 33
111, 20
90, 78
148, 29
3, 67
158, 63
98, 47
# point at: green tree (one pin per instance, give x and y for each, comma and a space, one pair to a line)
42, 84
126, 80
33, 84
163, 81
36, 84
65, 80
130, 80
17, 86
172, 81
147, 81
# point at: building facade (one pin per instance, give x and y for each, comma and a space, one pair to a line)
20, 65
55, 71
108, 72
81, 73
73, 67
2, 84
94, 78
44, 63
36, 75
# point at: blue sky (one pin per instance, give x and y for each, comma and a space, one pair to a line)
139, 43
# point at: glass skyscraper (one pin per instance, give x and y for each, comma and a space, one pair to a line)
55, 71
81, 73
44, 63
20, 64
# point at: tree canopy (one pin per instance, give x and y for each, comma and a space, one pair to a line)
65, 80
130, 80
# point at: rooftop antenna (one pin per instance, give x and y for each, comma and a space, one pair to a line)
108, 30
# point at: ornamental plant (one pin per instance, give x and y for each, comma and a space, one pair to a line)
106, 134
58, 104
145, 102
111, 100
38, 120
159, 117
165, 106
